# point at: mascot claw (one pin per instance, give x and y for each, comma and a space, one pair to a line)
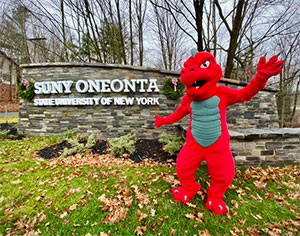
182, 195
217, 206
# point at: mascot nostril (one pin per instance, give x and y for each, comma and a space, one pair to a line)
207, 137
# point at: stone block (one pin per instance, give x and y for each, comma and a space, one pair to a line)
273, 145
249, 146
267, 152
260, 147
236, 146
289, 147
255, 152
281, 152
240, 158
252, 158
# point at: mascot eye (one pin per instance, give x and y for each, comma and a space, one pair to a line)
205, 65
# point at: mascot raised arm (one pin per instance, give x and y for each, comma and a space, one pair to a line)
207, 137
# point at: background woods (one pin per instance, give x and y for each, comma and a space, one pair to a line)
159, 33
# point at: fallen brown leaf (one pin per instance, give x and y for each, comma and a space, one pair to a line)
152, 211
64, 214
140, 230
105, 234
18, 181
65, 222
141, 215
204, 233
73, 207
118, 207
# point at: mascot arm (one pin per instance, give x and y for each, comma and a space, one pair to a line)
180, 112
265, 70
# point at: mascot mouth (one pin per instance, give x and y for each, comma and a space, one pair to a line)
198, 83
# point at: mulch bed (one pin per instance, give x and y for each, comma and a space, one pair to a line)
151, 149
53, 151
145, 149
100, 147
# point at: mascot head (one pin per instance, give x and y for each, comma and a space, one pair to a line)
200, 75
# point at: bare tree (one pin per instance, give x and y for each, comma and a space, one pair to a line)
140, 8
254, 23
185, 18
170, 38
117, 2
289, 80
13, 39
234, 31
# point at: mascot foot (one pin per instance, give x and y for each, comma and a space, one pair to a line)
217, 206
182, 195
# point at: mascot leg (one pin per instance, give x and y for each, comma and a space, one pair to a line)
220, 166
188, 161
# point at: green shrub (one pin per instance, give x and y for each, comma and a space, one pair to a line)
65, 136
77, 147
5, 134
173, 143
90, 142
122, 145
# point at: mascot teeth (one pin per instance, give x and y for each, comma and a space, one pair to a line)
199, 83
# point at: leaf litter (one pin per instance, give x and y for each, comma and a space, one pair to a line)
118, 207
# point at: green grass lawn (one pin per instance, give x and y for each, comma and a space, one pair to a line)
9, 119
48, 198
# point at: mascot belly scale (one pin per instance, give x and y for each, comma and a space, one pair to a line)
207, 137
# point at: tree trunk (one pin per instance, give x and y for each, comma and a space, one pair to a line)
121, 31
140, 21
131, 35
214, 23
234, 34
63, 28
295, 101
198, 6
161, 37
94, 39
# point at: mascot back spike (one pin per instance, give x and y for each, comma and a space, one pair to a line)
207, 137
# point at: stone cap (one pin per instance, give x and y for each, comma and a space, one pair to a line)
100, 65
129, 67
264, 133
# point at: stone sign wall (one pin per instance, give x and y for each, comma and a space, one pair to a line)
262, 147
119, 118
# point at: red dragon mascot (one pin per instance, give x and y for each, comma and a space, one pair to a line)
207, 137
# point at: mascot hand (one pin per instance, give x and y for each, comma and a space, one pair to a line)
159, 121
265, 70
